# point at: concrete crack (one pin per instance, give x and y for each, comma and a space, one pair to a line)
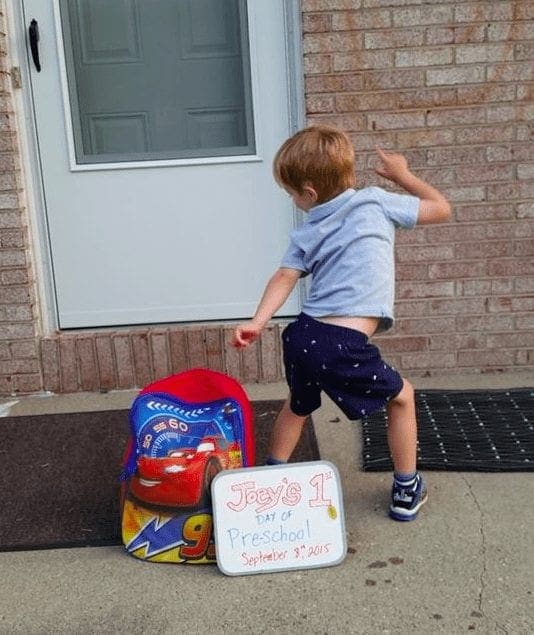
484, 555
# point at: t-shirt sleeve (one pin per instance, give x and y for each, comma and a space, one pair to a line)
294, 258
401, 209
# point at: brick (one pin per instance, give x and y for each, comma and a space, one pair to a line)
12, 258
425, 289
317, 64
525, 284
511, 72
424, 57
512, 31
7, 385
458, 306
250, 363
68, 365
456, 75
214, 349
178, 351
455, 342
486, 250
525, 210
362, 20
319, 104
489, 172
485, 94
455, 270
107, 371
362, 60
428, 360
316, 22
423, 15
49, 354
332, 83
9, 200
394, 121
232, 356
14, 277
427, 325
159, 349
474, 53
524, 51
142, 359
484, 359
331, 42
426, 98
16, 331
525, 322
23, 350
391, 344
390, 80
483, 11
270, 354
426, 254
456, 116
424, 138
393, 39
485, 323
329, 5
196, 348
28, 383
124, 360
411, 272
437, 35
412, 308
523, 248
510, 267
89, 380
485, 212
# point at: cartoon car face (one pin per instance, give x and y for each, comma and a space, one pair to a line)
183, 477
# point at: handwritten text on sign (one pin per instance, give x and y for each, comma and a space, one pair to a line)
278, 518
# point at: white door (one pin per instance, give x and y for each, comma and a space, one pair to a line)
157, 122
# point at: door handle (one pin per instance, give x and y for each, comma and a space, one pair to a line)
33, 33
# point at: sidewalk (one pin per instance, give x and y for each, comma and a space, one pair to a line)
466, 565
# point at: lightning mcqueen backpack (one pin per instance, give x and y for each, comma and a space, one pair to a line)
184, 429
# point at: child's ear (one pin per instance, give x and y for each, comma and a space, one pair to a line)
310, 192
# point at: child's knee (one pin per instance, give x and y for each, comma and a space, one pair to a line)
406, 394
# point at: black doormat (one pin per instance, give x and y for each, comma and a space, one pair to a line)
472, 431
58, 475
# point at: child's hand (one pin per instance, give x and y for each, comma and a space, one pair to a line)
393, 166
245, 334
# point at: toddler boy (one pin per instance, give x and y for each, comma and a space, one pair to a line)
346, 246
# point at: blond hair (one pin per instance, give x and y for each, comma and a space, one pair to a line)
319, 156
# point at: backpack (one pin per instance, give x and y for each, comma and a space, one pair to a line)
184, 429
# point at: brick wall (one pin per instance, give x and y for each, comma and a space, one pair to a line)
451, 85
19, 357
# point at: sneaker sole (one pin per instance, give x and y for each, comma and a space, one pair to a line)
405, 515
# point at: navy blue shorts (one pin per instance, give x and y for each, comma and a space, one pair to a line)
320, 356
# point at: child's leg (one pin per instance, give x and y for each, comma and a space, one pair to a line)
408, 493
402, 430
285, 434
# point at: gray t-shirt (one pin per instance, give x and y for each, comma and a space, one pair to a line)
347, 246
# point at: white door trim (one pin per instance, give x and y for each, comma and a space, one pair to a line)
18, 55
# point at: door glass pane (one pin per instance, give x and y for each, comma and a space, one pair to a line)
158, 79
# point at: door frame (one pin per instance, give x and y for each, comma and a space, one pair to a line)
35, 197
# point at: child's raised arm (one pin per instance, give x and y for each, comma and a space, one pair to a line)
433, 206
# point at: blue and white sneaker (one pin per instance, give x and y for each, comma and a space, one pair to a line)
407, 499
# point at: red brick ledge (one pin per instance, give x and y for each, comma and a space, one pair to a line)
123, 359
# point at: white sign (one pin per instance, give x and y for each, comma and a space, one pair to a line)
277, 518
